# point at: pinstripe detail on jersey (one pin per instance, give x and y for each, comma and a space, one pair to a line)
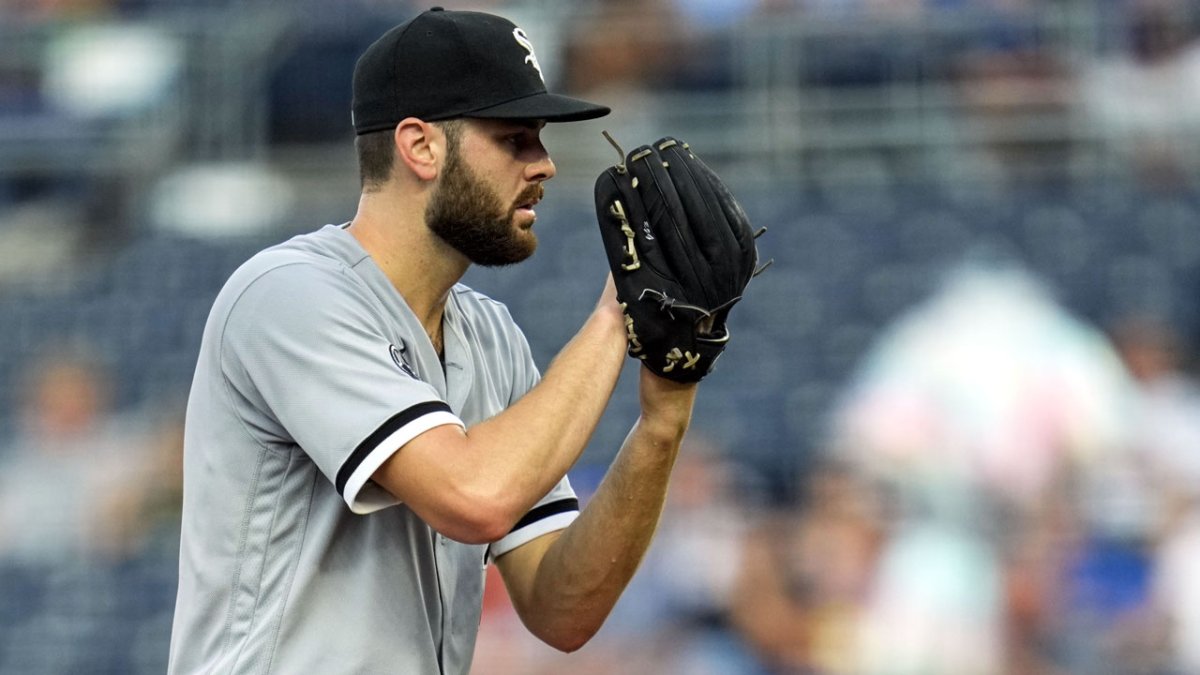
394, 424
545, 511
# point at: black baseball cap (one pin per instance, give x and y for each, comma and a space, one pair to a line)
445, 64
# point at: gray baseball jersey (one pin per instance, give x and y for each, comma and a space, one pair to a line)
312, 372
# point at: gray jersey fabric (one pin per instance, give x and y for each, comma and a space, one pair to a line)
312, 372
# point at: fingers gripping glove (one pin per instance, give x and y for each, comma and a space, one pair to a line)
681, 252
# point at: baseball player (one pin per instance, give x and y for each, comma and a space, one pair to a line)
365, 435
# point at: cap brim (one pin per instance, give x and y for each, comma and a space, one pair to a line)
549, 107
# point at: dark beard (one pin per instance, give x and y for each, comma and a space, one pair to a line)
470, 217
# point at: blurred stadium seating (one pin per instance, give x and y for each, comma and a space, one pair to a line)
873, 145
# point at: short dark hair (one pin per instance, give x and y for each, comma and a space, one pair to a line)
377, 153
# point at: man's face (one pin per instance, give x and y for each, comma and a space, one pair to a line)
478, 217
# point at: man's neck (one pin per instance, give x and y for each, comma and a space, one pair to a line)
421, 266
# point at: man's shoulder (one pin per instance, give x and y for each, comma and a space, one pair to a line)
303, 270
329, 246
309, 254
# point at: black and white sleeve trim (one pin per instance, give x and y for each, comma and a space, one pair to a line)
542, 519
352, 478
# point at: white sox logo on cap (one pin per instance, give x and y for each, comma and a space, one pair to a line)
523, 40
437, 66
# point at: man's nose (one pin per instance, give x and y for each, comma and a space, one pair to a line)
541, 170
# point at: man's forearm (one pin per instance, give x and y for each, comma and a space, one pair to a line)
552, 423
585, 570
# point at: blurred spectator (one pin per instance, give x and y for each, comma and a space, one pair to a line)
1016, 88
621, 47
618, 53
41, 241
1146, 97
74, 482
1177, 593
84, 106
805, 575
1166, 412
997, 421
1012, 96
307, 95
53, 9
710, 15
984, 391
934, 605
1167, 406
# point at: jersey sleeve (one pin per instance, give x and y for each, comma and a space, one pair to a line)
554, 512
305, 349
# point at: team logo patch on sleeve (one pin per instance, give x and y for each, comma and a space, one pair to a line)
400, 358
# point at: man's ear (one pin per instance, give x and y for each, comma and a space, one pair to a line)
420, 146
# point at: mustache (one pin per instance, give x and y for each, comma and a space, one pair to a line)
530, 194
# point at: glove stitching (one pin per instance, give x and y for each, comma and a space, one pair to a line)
695, 179
678, 231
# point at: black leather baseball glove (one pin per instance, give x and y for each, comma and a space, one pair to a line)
681, 252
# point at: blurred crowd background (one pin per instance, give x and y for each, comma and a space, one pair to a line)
957, 430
